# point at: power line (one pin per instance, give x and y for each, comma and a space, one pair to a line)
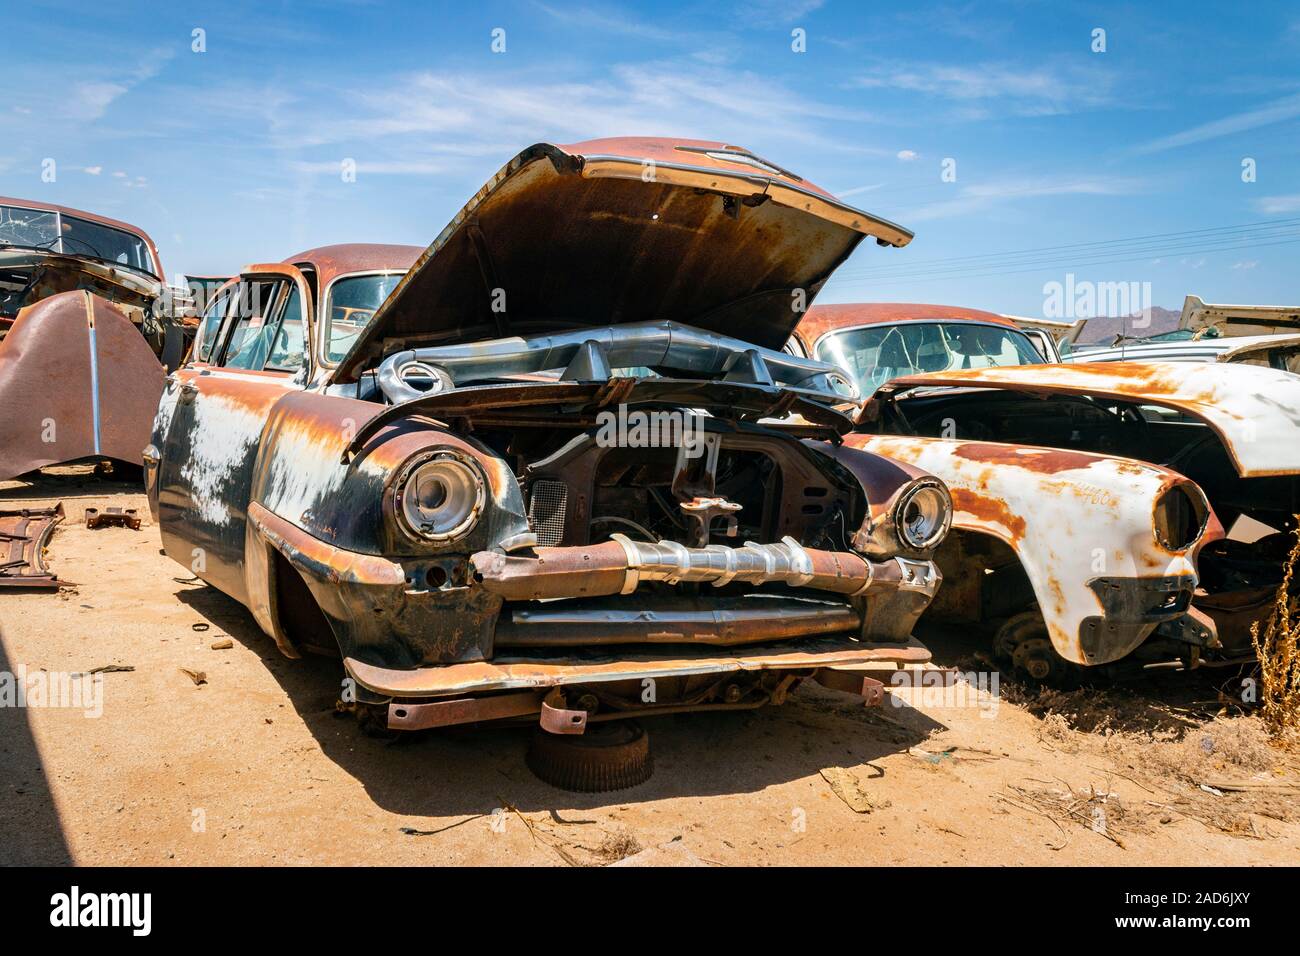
940, 277
1109, 255
1262, 225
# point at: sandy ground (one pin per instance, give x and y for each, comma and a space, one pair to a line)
255, 767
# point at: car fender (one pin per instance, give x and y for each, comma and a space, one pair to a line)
1070, 517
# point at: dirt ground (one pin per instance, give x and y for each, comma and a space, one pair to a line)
254, 766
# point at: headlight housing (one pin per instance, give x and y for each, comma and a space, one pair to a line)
439, 496
922, 514
1180, 516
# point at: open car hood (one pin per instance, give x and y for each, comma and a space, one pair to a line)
1255, 410
623, 230
1236, 320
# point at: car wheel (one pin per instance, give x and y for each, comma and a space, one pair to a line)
1024, 641
609, 756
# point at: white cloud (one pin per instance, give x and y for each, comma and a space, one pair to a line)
1273, 205
1275, 112
90, 99
598, 20
1246, 264
1021, 91
907, 155
401, 168
858, 189
93, 170
984, 196
431, 115
777, 11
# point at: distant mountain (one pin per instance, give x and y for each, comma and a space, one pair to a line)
1104, 328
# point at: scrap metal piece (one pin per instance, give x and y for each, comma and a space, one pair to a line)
77, 380
24, 535
113, 517
556, 719
702, 511
462, 710
856, 682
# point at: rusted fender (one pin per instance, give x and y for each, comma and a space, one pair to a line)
1071, 517
299, 474
77, 380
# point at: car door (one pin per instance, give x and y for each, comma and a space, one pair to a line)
1044, 344
209, 443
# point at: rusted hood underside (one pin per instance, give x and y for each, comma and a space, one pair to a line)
617, 231
76, 380
1256, 411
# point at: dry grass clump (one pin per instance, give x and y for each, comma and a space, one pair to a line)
1100, 810
618, 845
1277, 645
1224, 771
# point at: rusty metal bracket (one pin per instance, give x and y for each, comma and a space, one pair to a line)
113, 517
24, 535
869, 689
403, 715
557, 720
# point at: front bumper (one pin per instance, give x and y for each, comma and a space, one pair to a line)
534, 671
577, 613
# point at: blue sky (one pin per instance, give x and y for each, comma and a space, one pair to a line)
233, 155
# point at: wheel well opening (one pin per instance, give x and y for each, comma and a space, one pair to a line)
983, 579
297, 613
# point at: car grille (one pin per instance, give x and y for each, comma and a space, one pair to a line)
547, 503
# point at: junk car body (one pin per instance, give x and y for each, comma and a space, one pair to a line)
82, 326
438, 502
1082, 493
1279, 351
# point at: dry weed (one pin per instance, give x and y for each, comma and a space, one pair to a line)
1277, 645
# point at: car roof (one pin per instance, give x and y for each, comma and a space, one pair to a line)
90, 216
825, 318
330, 262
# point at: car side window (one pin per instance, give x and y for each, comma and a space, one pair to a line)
249, 339
287, 351
210, 325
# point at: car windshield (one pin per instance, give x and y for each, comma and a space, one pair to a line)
41, 229
877, 353
352, 304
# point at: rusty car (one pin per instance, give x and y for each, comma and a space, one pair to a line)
425, 491
1090, 500
1261, 335
84, 326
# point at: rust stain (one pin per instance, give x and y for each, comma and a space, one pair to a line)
1047, 461
988, 509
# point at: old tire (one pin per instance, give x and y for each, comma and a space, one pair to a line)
609, 756
1023, 639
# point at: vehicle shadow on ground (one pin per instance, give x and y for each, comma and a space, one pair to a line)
474, 770
69, 482
31, 833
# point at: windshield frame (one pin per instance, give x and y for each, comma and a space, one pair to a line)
59, 215
327, 304
815, 350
